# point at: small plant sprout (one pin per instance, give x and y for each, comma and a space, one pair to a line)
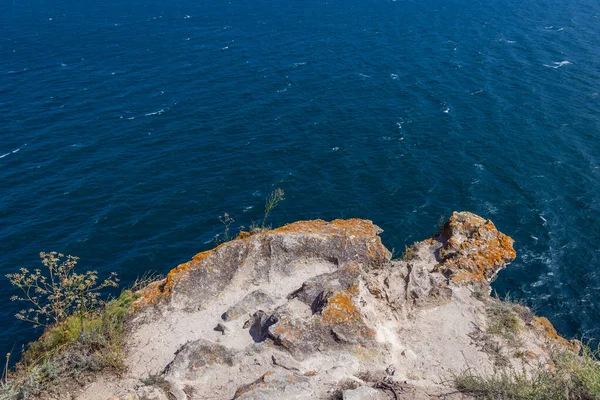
272, 201
226, 220
4, 380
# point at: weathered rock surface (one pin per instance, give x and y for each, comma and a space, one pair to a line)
318, 310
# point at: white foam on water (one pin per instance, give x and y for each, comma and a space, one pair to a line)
394, 76
558, 64
11, 152
187, 17
479, 167
490, 208
16, 72
162, 110
363, 75
335, 149
298, 64
248, 208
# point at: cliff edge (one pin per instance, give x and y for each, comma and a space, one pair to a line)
319, 310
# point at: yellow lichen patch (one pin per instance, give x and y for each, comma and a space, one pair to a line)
545, 326
353, 289
340, 309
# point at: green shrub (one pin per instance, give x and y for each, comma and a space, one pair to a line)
82, 333
58, 292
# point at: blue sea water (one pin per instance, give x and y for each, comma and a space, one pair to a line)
127, 128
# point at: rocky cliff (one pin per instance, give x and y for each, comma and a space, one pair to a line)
319, 310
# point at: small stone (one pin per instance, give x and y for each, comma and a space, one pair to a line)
390, 370
221, 328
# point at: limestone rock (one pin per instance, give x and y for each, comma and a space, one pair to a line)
252, 301
473, 250
299, 311
195, 356
363, 393
264, 256
276, 385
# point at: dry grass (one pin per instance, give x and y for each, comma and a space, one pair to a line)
571, 377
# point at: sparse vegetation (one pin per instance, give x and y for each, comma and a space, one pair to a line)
571, 377
409, 253
272, 201
53, 295
568, 375
82, 333
226, 220
502, 319
157, 381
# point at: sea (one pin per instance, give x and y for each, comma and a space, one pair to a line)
128, 127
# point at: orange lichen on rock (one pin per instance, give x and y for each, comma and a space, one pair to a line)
349, 229
353, 226
362, 234
473, 249
260, 382
340, 309
244, 235
156, 291
545, 326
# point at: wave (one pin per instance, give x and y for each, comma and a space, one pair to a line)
558, 64
11, 152
162, 110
